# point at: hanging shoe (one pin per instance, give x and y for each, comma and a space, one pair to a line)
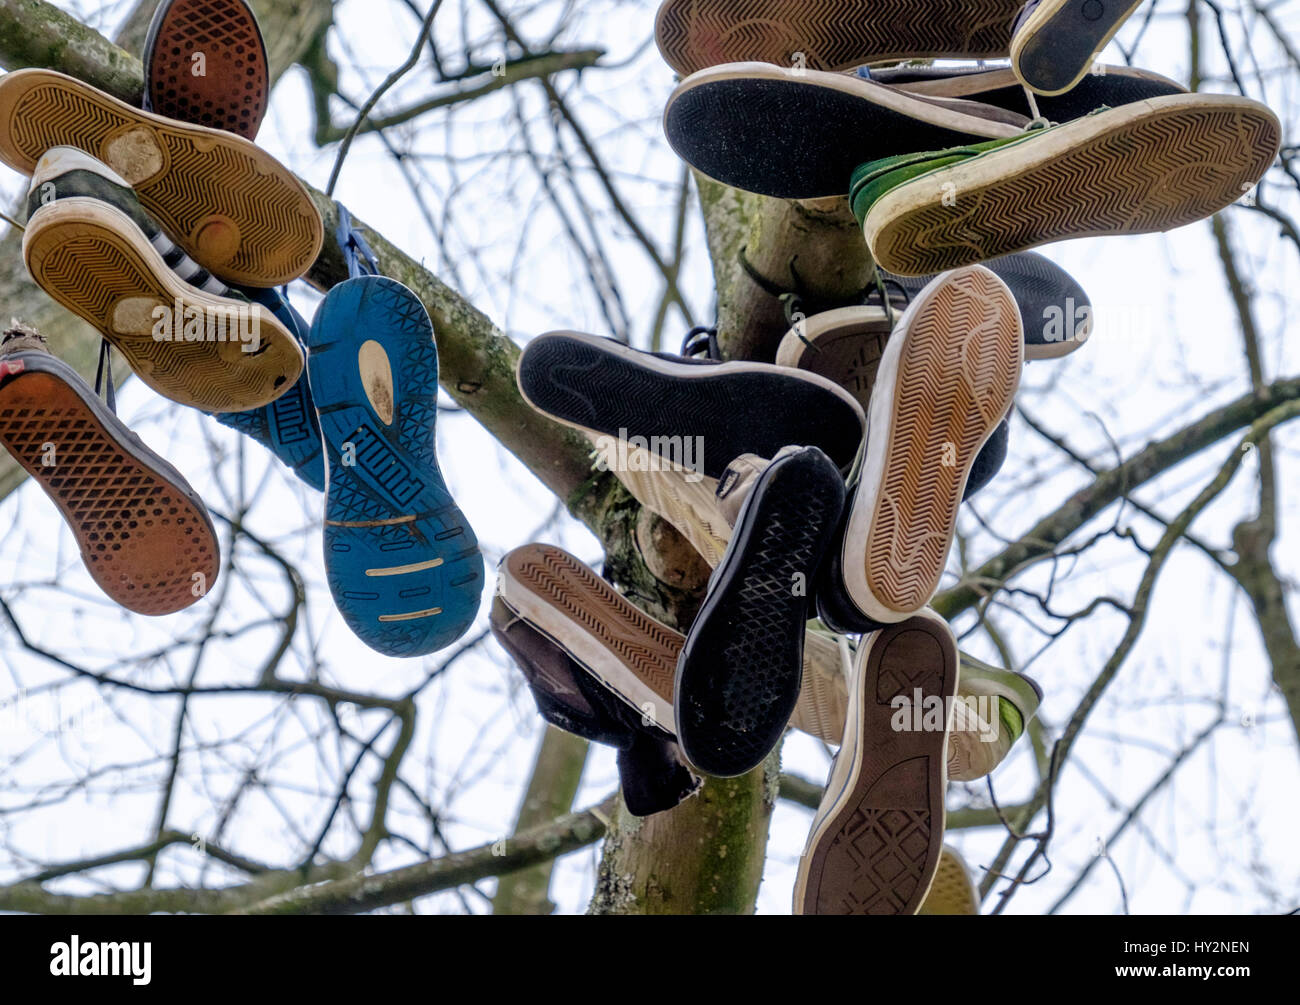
952, 891
205, 63
1054, 42
145, 535
401, 559
877, 836
798, 134
830, 34
94, 250
740, 671
946, 381
696, 413
287, 427
1142, 168
231, 207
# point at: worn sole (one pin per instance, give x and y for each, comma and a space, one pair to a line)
949, 375
876, 840
145, 536
741, 668
234, 208
699, 416
830, 35
402, 562
92, 259
629, 652
1146, 167
232, 91
799, 134
1055, 46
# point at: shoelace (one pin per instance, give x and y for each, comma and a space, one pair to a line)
104, 376
356, 252
702, 340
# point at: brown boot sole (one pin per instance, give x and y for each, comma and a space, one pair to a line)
628, 651
232, 92
92, 259
1145, 167
875, 845
235, 209
143, 534
830, 35
949, 375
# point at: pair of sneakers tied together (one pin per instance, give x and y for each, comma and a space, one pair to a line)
826, 484
167, 230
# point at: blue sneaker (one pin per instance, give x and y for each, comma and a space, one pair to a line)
287, 427
401, 560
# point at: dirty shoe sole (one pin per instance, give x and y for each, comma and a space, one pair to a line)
948, 377
728, 409
402, 562
629, 652
1055, 46
232, 92
741, 669
92, 259
1149, 166
145, 536
876, 840
234, 208
844, 345
829, 35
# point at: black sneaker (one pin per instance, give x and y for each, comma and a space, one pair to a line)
741, 668
697, 413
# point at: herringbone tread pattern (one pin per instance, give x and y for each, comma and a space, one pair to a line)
233, 208
959, 369
101, 275
232, 93
141, 537
694, 34
1177, 165
647, 648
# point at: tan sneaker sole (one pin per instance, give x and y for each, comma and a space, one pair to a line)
875, 844
830, 35
624, 648
92, 259
949, 375
1150, 166
234, 208
145, 538
952, 891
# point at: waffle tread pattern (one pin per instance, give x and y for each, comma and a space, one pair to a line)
233, 92
140, 535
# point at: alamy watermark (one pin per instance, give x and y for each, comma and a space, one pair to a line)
931, 713
179, 322
651, 453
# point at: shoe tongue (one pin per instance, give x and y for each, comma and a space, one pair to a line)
19, 337
736, 483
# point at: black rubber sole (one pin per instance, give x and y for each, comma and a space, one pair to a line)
741, 668
1053, 306
1092, 92
791, 139
1064, 45
733, 408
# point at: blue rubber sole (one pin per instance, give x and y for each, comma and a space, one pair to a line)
402, 562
